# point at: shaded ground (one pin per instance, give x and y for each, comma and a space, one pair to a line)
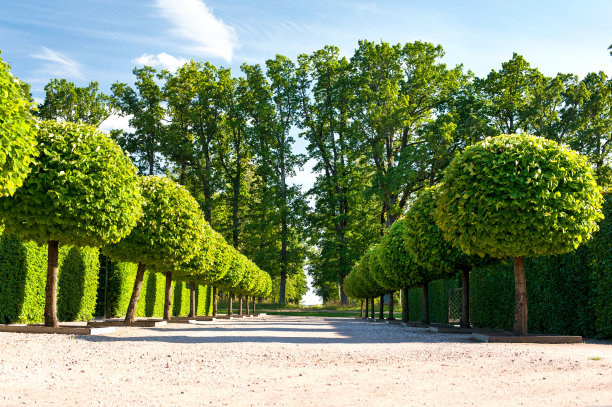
297, 361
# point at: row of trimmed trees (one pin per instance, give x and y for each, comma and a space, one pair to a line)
78, 188
510, 196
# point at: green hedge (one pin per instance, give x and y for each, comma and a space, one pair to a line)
23, 270
120, 282
438, 301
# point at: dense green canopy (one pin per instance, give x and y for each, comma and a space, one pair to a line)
17, 132
518, 195
170, 231
82, 190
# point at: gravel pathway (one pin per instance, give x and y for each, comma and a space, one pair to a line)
297, 361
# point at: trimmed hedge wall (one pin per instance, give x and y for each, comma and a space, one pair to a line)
438, 301
121, 278
23, 271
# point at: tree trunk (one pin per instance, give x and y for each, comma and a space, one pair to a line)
426, 303
240, 304
465, 298
520, 298
381, 308
405, 307
168, 296
361, 313
192, 300
391, 306
373, 311
343, 297
254, 306
230, 304
51, 287
247, 304
283, 283
367, 307
131, 311
214, 295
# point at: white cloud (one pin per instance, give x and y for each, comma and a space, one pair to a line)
305, 177
195, 22
116, 122
58, 65
163, 60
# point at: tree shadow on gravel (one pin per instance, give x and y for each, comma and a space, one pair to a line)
341, 331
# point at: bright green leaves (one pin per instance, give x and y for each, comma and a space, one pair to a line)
521, 196
82, 190
170, 231
17, 132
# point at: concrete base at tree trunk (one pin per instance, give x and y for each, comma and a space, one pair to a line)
189, 319
416, 324
145, 323
394, 321
62, 329
450, 329
501, 338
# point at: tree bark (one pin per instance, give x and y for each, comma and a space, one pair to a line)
391, 306
51, 287
214, 295
405, 307
254, 306
343, 297
465, 298
426, 303
381, 308
247, 304
520, 298
192, 300
367, 307
168, 296
230, 304
372, 310
361, 313
283, 284
131, 311
240, 304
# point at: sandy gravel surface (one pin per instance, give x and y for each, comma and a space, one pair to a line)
297, 361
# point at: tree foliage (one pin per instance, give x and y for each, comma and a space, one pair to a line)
17, 131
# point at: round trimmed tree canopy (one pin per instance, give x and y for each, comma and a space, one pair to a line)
17, 132
170, 231
518, 195
82, 189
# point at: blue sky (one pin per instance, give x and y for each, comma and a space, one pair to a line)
102, 40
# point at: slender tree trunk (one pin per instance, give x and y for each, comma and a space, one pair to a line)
405, 307
520, 298
373, 311
168, 296
426, 303
131, 311
192, 300
254, 306
51, 287
214, 295
361, 313
465, 298
230, 311
391, 306
283, 284
381, 308
367, 307
247, 304
240, 304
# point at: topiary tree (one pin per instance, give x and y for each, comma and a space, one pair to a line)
82, 191
397, 263
169, 233
17, 132
378, 274
234, 274
518, 196
425, 242
372, 287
